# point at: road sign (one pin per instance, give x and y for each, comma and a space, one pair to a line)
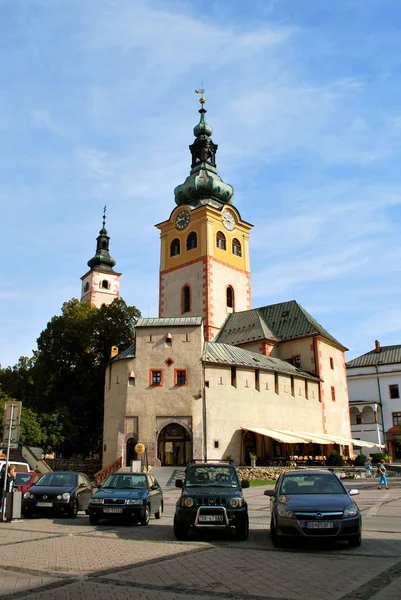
11, 425
139, 448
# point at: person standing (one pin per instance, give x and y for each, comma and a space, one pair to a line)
381, 469
368, 467
10, 480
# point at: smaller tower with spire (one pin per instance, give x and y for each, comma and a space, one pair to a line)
101, 284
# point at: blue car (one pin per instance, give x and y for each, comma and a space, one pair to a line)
132, 497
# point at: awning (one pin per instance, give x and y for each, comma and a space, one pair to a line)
305, 437
279, 436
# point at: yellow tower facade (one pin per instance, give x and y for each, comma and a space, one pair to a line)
204, 258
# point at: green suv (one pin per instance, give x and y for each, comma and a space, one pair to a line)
211, 498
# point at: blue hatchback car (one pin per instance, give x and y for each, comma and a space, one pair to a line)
132, 497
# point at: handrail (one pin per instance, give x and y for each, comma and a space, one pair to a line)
101, 476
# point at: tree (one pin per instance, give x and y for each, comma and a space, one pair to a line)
63, 383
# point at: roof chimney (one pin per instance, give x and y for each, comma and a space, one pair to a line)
377, 347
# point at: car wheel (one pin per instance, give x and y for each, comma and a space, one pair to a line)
242, 529
274, 536
158, 514
145, 519
181, 532
93, 520
355, 540
74, 510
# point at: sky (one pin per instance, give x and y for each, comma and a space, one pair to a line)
97, 107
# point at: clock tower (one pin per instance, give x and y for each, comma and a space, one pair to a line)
204, 261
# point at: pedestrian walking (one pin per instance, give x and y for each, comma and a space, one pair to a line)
381, 470
368, 467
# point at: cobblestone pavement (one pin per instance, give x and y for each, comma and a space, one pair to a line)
60, 559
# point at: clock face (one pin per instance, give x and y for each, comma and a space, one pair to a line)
182, 219
228, 220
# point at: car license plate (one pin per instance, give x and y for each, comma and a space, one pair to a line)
208, 518
47, 504
113, 510
319, 525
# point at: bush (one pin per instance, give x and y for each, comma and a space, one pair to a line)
360, 460
335, 459
377, 457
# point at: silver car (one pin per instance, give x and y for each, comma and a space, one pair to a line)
313, 504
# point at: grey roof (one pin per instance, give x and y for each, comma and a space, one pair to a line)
232, 355
277, 322
388, 355
128, 353
169, 322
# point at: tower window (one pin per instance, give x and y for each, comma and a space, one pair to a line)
221, 240
186, 299
175, 247
237, 250
192, 241
86, 288
105, 285
230, 297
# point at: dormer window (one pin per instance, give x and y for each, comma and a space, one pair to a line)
175, 247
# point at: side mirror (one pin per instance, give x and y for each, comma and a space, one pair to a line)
245, 483
268, 493
178, 483
353, 492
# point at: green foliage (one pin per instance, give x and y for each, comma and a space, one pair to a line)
252, 456
377, 457
360, 460
62, 385
335, 459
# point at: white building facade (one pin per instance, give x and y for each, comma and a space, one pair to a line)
374, 386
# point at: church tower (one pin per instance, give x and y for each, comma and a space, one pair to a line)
204, 262
101, 284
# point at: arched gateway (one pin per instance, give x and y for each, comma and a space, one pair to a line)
174, 445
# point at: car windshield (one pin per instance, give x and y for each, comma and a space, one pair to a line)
311, 484
135, 481
58, 479
22, 478
211, 475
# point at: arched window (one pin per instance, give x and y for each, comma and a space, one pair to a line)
192, 241
221, 240
86, 288
230, 297
237, 250
175, 247
105, 285
186, 299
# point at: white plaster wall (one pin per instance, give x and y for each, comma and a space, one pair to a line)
223, 276
229, 408
172, 284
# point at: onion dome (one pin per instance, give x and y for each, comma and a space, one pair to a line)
102, 261
203, 185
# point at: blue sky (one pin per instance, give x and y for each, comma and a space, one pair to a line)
97, 107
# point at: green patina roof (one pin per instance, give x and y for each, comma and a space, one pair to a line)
102, 261
388, 355
203, 185
225, 354
277, 322
169, 322
128, 353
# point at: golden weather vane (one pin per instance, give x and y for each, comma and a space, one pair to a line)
201, 91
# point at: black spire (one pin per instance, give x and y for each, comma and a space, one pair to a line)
102, 261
